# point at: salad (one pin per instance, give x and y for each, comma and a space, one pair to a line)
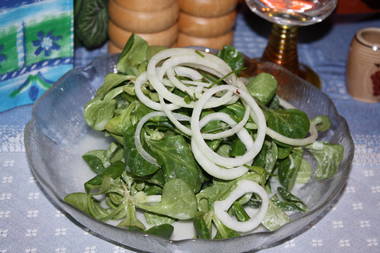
192, 140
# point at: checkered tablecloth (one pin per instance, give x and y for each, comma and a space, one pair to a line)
30, 223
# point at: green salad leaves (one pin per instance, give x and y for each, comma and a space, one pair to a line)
176, 187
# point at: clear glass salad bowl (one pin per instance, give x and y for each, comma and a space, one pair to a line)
57, 137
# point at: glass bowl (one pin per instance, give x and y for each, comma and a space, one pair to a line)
57, 137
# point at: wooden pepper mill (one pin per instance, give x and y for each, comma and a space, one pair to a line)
207, 23
153, 20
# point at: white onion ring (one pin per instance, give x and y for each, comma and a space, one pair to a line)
293, 141
144, 99
242, 134
177, 83
243, 187
195, 60
139, 147
155, 76
213, 169
197, 83
210, 167
256, 114
171, 117
235, 128
188, 72
224, 117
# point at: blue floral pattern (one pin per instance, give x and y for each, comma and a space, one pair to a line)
46, 43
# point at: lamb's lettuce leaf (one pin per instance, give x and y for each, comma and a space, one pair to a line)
174, 155
156, 220
132, 59
291, 201
275, 216
163, 230
289, 167
131, 219
263, 87
113, 171
136, 53
292, 123
267, 157
233, 58
87, 204
328, 157
99, 159
304, 173
202, 226
322, 123
136, 165
128, 117
111, 81
178, 201
98, 113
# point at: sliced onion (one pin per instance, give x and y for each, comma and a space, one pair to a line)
137, 136
243, 187
144, 99
294, 142
212, 168
179, 84
173, 119
235, 128
139, 147
197, 83
195, 60
224, 117
188, 72
155, 75
256, 114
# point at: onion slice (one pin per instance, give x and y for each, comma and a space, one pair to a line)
140, 81
215, 170
255, 112
210, 117
212, 168
294, 142
137, 137
211, 63
243, 187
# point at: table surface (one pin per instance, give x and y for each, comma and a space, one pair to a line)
30, 223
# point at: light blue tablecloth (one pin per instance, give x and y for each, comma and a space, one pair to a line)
30, 223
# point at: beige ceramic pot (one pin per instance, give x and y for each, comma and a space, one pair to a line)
363, 66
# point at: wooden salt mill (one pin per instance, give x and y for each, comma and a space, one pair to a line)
207, 23
153, 20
